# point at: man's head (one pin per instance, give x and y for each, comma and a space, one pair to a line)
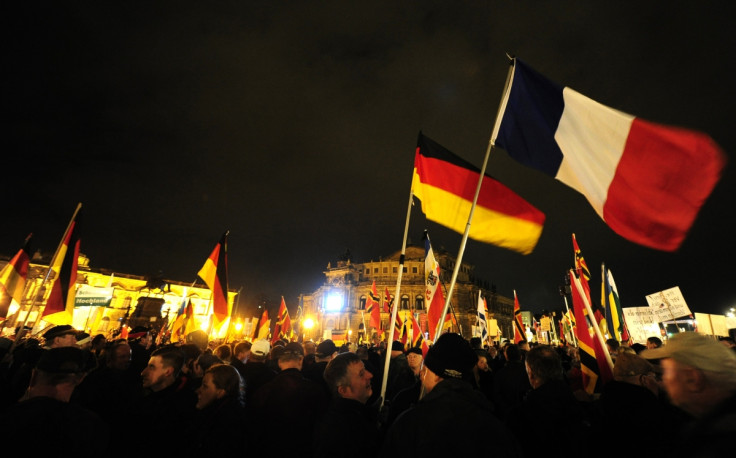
612, 345
61, 336
654, 342
292, 357
543, 364
347, 376
450, 357
58, 371
326, 350
698, 372
163, 368
397, 348
415, 359
119, 355
482, 363
310, 348
242, 350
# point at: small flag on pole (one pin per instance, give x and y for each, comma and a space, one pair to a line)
214, 274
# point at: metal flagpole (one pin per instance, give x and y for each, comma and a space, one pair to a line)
458, 262
397, 296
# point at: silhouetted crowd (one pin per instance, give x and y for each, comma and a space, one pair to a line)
72, 394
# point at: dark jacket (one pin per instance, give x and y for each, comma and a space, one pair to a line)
712, 435
167, 413
290, 403
220, 429
549, 413
510, 385
348, 428
256, 374
451, 420
48, 426
621, 402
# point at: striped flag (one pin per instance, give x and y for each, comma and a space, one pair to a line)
519, 329
13, 279
612, 306
647, 181
60, 304
373, 308
265, 326
446, 185
418, 340
388, 302
432, 288
583, 273
178, 323
482, 318
282, 330
214, 274
589, 364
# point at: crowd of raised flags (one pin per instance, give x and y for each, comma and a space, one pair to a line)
540, 124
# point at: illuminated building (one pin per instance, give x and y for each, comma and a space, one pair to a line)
337, 308
106, 300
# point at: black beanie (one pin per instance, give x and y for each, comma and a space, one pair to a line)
451, 356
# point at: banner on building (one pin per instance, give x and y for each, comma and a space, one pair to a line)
93, 296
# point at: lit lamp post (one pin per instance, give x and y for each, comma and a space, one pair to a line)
307, 325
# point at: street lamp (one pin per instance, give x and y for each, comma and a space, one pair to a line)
307, 325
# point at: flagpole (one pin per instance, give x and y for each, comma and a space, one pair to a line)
598, 334
491, 144
50, 269
397, 296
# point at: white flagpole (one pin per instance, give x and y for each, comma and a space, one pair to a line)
491, 144
397, 298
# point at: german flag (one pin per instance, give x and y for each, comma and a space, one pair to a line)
446, 185
214, 274
13, 278
60, 304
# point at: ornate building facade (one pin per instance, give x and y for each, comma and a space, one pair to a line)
107, 301
337, 308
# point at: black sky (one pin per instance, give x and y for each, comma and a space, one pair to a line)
293, 125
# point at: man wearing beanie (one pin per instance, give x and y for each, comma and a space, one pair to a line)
452, 417
699, 376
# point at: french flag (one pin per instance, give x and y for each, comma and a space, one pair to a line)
647, 181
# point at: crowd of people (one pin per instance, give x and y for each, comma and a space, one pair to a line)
67, 392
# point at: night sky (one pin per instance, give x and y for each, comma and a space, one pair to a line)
293, 125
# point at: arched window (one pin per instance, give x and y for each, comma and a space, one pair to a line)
404, 302
361, 303
419, 302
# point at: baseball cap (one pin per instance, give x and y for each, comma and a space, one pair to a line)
58, 331
260, 347
696, 350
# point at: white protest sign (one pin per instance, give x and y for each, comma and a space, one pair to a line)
669, 304
642, 323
